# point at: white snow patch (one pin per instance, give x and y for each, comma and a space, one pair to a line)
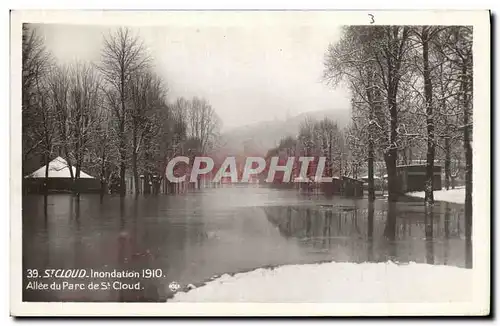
339, 282
456, 195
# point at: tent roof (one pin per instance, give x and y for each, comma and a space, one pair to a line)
58, 168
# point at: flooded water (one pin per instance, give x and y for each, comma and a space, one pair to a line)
194, 237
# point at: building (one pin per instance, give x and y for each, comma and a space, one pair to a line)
378, 182
59, 179
412, 177
352, 187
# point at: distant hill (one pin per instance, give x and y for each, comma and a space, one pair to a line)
258, 138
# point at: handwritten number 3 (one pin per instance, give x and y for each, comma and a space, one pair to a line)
372, 17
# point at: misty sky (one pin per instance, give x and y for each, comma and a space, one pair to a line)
248, 72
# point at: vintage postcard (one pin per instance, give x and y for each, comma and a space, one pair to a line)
250, 163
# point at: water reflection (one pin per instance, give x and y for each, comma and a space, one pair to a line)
195, 236
390, 231
371, 212
376, 232
429, 239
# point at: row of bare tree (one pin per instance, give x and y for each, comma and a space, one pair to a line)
411, 90
111, 117
318, 138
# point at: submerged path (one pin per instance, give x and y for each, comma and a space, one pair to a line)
197, 236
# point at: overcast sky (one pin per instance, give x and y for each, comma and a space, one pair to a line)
248, 72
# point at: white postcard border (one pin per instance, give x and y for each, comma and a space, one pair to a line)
480, 20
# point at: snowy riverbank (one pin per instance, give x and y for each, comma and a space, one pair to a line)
456, 195
339, 282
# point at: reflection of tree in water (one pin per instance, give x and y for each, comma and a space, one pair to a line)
390, 223
321, 222
327, 228
468, 232
371, 213
74, 205
288, 221
447, 212
401, 231
429, 240
45, 206
132, 256
310, 222
322, 227
390, 230
468, 253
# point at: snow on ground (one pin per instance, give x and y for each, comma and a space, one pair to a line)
456, 195
339, 282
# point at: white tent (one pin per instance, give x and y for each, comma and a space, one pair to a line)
58, 168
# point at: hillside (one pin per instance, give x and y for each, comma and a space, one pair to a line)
258, 138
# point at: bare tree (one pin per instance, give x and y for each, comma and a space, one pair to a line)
460, 43
448, 117
59, 84
372, 59
122, 55
426, 34
47, 128
307, 138
147, 95
331, 145
203, 123
390, 58
103, 152
76, 98
36, 62
86, 101
355, 140
352, 59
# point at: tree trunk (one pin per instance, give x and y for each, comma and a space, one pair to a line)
46, 181
447, 162
78, 168
429, 243
392, 177
123, 154
390, 224
394, 61
371, 211
431, 149
468, 157
122, 159
103, 172
78, 146
371, 181
77, 176
122, 175
372, 96
391, 154
147, 180
134, 160
70, 166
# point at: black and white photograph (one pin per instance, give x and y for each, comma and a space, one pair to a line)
179, 158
